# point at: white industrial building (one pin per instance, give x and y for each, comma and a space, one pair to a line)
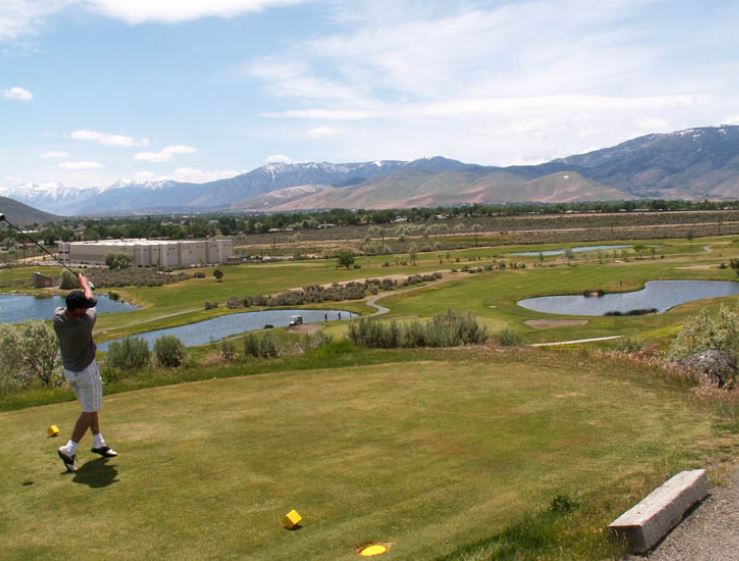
170, 254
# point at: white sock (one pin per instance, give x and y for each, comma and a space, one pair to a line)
97, 440
71, 447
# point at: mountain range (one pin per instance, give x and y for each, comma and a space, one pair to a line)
698, 163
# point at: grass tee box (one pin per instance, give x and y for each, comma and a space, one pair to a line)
648, 522
430, 456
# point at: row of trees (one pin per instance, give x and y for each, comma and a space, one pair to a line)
208, 225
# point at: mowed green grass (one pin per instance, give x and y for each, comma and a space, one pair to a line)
493, 296
182, 302
428, 456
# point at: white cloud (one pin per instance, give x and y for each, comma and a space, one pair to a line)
731, 120
278, 159
17, 93
193, 175
55, 154
495, 82
21, 19
187, 175
172, 11
81, 165
166, 154
107, 139
326, 114
321, 132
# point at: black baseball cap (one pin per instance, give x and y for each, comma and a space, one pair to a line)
76, 300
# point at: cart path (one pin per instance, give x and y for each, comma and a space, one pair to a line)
708, 533
576, 341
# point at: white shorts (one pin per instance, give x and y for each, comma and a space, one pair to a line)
87, 386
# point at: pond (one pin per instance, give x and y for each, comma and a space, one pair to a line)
583, 249
659, 295
19, 307
203, 332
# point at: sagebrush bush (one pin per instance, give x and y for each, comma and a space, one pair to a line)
335, 292
702, 332
13, 373
312, 342
28, 352
227, 349
41, 352
130, 354
67, 281
259, 347
135, 276
509, 338
170, 352
627, 345
450, 329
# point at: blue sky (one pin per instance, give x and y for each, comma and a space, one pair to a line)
93, 91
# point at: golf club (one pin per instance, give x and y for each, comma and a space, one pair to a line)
3, 218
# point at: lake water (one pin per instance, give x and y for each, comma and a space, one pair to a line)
661, 295
15, 307
203, 332
583, 249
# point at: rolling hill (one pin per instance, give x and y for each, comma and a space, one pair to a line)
21, 214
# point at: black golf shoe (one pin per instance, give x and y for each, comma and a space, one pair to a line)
67, 459
105, 451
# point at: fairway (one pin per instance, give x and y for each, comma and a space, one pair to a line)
427, 456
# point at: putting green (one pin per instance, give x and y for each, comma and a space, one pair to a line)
428, 455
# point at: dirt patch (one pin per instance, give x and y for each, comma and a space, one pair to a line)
305, 328
698, 267
552, 323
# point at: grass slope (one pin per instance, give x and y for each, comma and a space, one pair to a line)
429, 456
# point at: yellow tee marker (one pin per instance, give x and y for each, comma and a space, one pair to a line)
372, 550
291, 520
53, 430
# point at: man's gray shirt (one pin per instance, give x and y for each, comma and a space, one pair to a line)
75, 338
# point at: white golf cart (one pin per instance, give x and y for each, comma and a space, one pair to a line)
296, 320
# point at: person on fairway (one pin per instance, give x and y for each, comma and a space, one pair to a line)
73, 326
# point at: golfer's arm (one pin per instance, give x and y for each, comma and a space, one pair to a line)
85, 286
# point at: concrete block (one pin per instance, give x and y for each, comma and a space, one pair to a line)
645, 524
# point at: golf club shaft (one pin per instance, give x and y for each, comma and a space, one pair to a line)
21, 232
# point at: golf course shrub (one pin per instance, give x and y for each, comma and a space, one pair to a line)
170, 352
29, 352
562, 504
450, 329
228, 350
627, 345
14, 375
67, 281
311, 342
703, 331
336, 292
130, 354
134, 276
259, 347
509, 338
41, 352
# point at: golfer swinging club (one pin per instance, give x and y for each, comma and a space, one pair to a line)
73, 326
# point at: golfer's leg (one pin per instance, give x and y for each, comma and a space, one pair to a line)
80, 428
94, 423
